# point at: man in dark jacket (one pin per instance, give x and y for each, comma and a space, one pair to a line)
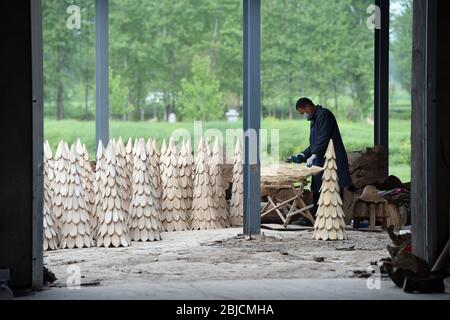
323, 128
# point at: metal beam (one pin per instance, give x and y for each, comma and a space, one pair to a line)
423, 133
21, 129
252, 116
38, 140
101, 72
381, 100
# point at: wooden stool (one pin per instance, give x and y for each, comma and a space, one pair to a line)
295, 205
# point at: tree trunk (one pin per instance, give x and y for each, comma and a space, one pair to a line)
290, 90
336, 103
213, 49
60, 88
59, 101
86, 103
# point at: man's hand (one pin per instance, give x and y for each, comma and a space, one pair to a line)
297, 159
310, 161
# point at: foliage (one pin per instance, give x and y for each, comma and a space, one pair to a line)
321, 49
200, 97
401, 47
118, 96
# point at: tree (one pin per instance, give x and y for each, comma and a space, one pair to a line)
401, 47
118, 95
200, 96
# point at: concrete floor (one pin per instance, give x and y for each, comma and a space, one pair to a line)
275, 289
219, 264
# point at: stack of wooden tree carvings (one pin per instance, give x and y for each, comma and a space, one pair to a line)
135, 192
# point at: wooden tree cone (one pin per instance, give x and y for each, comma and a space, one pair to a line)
157, 156
237, 196
90, 175
154, 170
185, 170
145, 214
112, 229
205, 213
99, 187
330, 223
51, 236
129, 152
163, 154
60, 185
86, 172
173, 206
124, 171
219, 194
75, 226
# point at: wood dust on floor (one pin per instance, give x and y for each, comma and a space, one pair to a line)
222, 255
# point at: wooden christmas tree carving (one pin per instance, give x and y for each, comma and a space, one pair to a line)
86, 172
75, 225
157, 156
60, 185
99, 187
237, 196
330, 223
112, 228
122, 168
218, 183
162, 159
174, 213
129, 152
185, 162
154, 169
204, 211
50, 229
145, 215
209, 151
89, 184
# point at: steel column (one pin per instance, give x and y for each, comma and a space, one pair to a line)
101, 72
252, 116
38, 140
381, 99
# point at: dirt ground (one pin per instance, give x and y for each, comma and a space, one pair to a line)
222, 255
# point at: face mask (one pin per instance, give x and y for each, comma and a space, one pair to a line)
306, 115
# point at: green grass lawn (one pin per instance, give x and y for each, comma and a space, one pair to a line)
293, 134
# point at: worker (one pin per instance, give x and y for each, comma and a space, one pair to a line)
323, 127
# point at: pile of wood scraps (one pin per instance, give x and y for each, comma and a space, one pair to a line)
379, 199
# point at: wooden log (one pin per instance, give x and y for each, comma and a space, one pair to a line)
287, 174
367, 167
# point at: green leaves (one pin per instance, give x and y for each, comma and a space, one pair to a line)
321, 49
200, 96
